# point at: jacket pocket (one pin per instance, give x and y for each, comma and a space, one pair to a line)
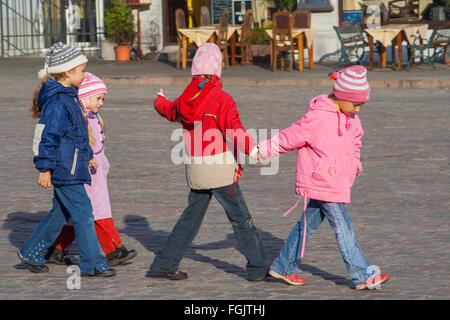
74, 163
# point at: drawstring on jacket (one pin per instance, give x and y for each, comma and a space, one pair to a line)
347, 124
305, 202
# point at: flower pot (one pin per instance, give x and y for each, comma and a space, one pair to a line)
123, 53
107, 50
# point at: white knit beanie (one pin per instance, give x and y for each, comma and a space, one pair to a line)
61, 57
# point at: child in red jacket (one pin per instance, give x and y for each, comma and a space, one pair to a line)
211, 122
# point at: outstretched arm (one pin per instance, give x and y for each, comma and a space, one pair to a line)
165, 107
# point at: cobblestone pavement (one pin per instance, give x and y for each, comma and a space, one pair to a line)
399, 205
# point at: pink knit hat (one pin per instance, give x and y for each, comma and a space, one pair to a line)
351, 84
90, 86
207, 60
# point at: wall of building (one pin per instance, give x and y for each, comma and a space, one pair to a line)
152, 24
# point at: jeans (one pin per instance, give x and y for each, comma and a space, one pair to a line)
358, 268
69, 201
168, 259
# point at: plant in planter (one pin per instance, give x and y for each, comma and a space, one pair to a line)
286, 5
119, 27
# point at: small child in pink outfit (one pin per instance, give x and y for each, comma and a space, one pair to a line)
91, 93
328, 141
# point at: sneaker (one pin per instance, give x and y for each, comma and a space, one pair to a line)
260, 278
177, 275
57, 256
109, 273
35, 268
373, 282
120, 255
293, 279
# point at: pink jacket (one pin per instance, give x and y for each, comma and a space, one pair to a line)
328, 149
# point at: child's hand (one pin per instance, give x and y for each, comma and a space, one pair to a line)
258, 158
93, 163
358, 172
160, 93
45, 179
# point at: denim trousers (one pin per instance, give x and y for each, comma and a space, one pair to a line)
69, 201
250, 245
358, 268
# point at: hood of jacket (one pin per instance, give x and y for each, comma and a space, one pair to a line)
52, 87
192, 110
324, 103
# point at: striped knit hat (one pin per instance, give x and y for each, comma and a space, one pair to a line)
351, 84
61, 57
90, 86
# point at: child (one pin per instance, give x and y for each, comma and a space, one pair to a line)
63, 158
92, 93
205, 110
328, 141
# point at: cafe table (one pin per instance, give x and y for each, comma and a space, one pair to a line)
210, 33
393, 34
302, 36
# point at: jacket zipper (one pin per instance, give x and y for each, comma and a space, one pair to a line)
74, 164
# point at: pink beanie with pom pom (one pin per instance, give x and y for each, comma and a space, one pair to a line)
351, 84
90, 86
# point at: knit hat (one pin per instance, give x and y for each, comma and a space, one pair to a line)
207, 60
61, 57
351, 84
90, 86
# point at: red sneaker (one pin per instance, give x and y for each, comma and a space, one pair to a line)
374, 282
293, 279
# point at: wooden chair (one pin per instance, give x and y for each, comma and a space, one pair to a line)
180, 22
244, 42
223, 36
301, 19
282, 41
205, 17
352, 41
404, 9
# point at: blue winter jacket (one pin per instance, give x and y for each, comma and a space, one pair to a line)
61, 141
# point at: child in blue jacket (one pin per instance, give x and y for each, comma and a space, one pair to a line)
63, 157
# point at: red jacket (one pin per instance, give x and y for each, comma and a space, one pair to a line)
213, 133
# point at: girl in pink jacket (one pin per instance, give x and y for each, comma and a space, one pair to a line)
328, 141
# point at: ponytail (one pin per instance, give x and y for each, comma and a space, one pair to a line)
35, 110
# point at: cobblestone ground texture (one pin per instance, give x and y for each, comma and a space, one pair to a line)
400, 204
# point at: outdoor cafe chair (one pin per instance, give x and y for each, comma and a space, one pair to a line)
205, 17
352, 41
420, 48
244, 42
223, 37
282, 41
301, 19
180, 23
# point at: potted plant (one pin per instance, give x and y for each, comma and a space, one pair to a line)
119, 27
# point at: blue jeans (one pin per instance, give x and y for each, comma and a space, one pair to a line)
70, 201
168, 259
358, 268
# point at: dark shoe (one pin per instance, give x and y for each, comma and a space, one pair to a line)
57, 256
110, 273
177, 275
260, 278
35, 268
120, 255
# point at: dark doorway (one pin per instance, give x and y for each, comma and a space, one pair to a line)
170, 33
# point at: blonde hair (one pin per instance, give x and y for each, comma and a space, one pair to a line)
35, 110
85, 103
